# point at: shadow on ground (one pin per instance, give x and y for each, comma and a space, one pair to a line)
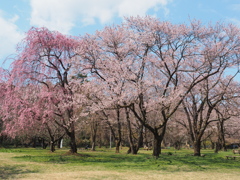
11, 171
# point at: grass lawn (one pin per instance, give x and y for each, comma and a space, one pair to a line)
29, 163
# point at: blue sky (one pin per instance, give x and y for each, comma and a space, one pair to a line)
77, 17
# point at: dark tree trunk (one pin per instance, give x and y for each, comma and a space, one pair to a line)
100, 139
118, 139
133, 148
177, 145
52, 145
44, 145
217, 147
158, 138
157, 145
73, 145
221, 136
71, 134
212, 145
197, 148
140, 138
94, 126
118, 143
1, 140
34, 142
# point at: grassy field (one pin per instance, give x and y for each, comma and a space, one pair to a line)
29, 163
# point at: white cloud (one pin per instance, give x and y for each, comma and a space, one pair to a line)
138, 7
62, 15
9, 36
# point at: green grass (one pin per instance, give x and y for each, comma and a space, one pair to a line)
170, 161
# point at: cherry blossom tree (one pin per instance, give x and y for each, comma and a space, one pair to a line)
151, 66
232, 131
43, 67
226, 111
207, 103
114, 120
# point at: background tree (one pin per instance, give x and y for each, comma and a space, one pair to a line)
201, 106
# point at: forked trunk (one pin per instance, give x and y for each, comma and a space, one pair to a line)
158, 138
133, 149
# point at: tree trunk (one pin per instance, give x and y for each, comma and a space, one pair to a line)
140, 138
132, 149
217, 147
71, 134
212, 145
52, 145
93, 148
157, 145
118, 143
34, 142
197, 148
1, 140
94, 126
100, 140
177, 145
119, 130
224, 146
44, 145
221, 136
73, 144
60, 142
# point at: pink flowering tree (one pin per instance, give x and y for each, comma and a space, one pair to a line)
150, 66
232, 130
42, 72
28, 103
209, 102
228, 113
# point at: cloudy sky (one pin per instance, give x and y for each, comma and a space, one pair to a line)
77, 17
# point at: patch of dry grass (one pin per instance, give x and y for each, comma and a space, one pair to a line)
129, 175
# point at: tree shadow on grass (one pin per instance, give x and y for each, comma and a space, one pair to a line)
166, 162
11, 171
196, 163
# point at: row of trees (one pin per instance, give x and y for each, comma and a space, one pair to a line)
152, 75
99, 133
